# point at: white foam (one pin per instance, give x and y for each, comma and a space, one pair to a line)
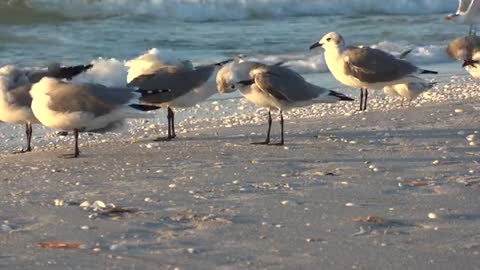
204, 10
109, 72
150, 61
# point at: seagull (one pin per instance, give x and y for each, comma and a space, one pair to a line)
468, 12
86, 107
410, 91
465, 49
188, 86
365, 67
274, 87
15, 101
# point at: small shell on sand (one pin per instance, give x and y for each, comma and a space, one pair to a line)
58, 202
99, 204
432, 215
436, 162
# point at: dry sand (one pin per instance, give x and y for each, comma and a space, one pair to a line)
392, 188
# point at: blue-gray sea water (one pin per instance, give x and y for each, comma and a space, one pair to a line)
37, 32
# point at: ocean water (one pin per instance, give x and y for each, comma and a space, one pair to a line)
36, 32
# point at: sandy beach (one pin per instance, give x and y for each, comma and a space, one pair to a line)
391, 188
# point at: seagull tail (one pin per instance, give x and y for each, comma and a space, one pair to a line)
72, 71
340, 96
144, 108
425, 71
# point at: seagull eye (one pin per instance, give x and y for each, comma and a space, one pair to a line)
328, 39
232, 86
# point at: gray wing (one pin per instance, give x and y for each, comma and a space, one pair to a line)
92, 98
21, 96
286, 84
178, 81
373, 65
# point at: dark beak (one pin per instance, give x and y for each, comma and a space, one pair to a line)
472, 63
315, 45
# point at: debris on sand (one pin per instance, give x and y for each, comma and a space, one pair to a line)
62, 245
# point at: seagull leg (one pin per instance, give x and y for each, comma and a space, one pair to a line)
172, 114
401, 104
267, 140
361, 99
171, 129
282, 142
77, 150
365, 100
28, 133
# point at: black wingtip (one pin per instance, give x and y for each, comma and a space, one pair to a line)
340, 96
429, 72
72, 71
224, 62
246, 82
144, 108
405, 53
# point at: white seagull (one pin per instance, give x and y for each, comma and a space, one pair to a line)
15, 101
364, 67
468, 12
85, 107
274, 87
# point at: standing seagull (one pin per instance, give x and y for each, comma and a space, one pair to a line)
188, 86
85, 107
274, 87
15, 101
366, 67
468, 12
465, 49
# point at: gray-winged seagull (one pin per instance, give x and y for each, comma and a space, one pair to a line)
85, 107
188, 86
274, 87
366, 67
15, 101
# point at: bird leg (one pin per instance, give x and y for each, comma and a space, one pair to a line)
171, 128
365, 100
172, 119
267, 140
282, 142
77, 150
401, 104
361, 99
28, 132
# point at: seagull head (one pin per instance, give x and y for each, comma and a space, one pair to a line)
330, 40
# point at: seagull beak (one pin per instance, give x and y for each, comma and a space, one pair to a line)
315, 45
450, 17
246, 82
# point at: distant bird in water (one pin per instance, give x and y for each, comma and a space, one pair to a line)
273, 87
468, 12
188, 86
86, 107
365, 67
